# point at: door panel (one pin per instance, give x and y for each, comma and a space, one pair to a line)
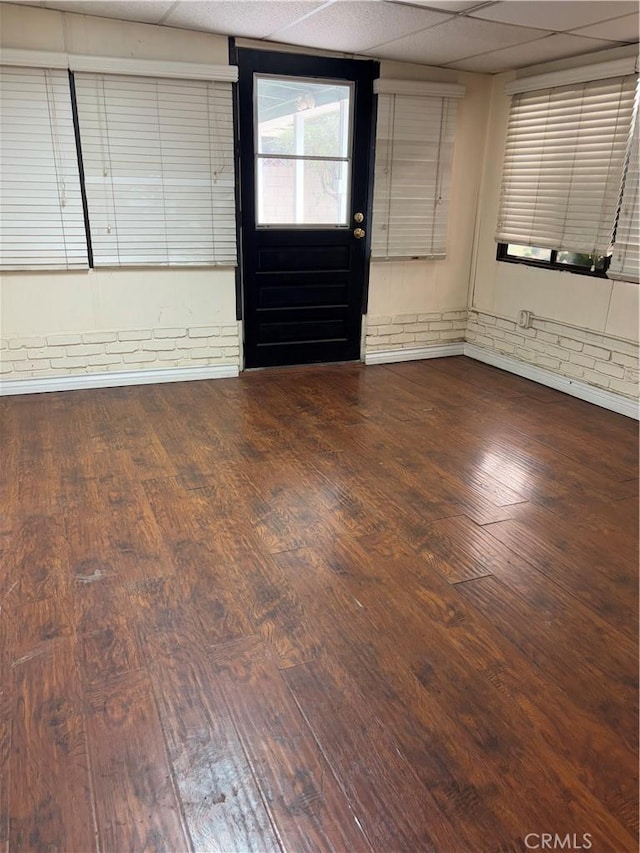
305, 137
306, 258
296, 295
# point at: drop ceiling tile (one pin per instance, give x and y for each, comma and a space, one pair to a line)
555, 16
455, 39
354, 25
545, 49
143, 11
247, 18
620, 29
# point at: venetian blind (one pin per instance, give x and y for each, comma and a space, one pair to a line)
625, 263
41, 215
159, 169
414, 151
563, 165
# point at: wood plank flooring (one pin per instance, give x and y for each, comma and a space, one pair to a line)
347, 609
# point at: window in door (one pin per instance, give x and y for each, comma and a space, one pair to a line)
303, 152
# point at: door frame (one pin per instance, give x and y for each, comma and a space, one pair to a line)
365, 149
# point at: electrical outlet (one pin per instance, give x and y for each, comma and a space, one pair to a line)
524, 319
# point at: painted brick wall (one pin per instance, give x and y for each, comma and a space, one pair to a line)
410, 331
592, 357
107, 352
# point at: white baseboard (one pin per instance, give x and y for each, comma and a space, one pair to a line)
75, 382
590, 393
415, 354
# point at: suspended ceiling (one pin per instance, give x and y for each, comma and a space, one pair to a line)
472, 36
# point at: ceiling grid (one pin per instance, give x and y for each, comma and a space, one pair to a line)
469, 35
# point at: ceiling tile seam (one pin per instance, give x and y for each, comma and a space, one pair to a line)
442, 23
533, 26
597, 24
414, 33
519, 26
169, 12
462, 13
465, 12
299, 20
532, 41
545, 34
488, 52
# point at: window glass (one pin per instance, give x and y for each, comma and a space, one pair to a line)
296, 116
302, 191
554, 259
303, 142
533, 253
579, 259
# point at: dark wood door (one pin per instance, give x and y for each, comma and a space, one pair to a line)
306, 128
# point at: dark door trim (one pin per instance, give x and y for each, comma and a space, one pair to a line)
233, 60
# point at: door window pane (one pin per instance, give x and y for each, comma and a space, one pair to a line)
307, 192
302, 118
303, 151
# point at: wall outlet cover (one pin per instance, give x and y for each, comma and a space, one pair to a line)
524, 319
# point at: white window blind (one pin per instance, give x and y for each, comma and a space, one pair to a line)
625, 263
41, 215
563, 165
159, 169
414, 151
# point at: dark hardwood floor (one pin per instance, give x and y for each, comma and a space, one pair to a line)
328, 609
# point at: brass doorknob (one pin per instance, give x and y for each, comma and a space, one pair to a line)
359, 233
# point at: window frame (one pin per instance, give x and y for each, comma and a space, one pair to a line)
502, 254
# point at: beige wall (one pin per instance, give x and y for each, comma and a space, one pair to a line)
40, 304
36, 306
31, 28
37, 303
420, 287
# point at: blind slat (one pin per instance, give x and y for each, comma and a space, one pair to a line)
625, 262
